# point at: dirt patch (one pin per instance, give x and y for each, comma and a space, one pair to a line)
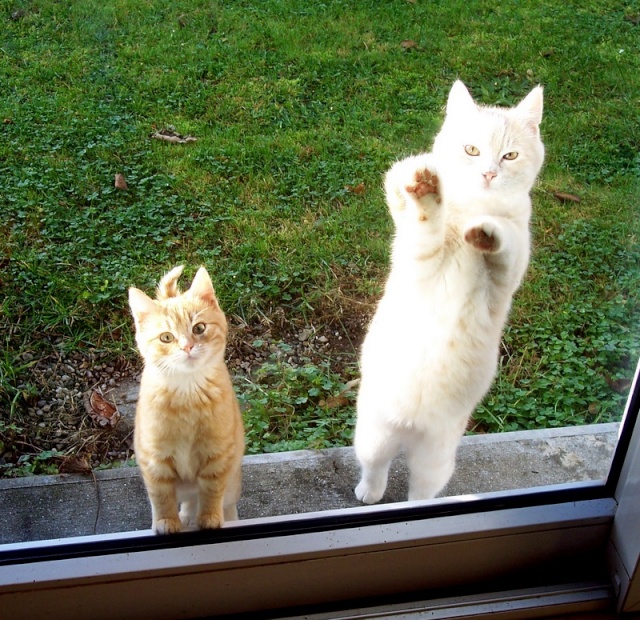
63, 429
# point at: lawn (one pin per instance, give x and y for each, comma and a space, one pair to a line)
297, 110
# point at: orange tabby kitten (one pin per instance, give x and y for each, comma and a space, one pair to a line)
189, 436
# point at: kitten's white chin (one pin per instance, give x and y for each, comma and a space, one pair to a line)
190, 364
182, 366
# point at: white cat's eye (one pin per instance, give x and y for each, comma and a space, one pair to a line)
510, 156
199, 328
167, 337
469, 149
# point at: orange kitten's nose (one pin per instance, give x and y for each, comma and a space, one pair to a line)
186, 345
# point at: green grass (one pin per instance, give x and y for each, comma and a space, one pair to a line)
296, 407
293, 103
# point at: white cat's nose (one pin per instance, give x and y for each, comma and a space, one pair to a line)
489, 176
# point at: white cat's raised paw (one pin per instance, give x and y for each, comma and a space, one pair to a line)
484, 236
425, 183
412, 181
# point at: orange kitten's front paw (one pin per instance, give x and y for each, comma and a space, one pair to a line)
210, 521
425, 183
167, 526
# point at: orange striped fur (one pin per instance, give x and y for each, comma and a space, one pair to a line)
189, 435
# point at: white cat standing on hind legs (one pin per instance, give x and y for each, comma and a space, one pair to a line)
460, 251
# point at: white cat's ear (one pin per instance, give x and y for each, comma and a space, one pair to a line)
141, 305
460, 101
202, 287
530, 108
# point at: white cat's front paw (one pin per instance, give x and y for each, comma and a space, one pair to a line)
413, 179
367, 494
485, 236
424, 182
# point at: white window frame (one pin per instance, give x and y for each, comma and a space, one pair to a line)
525, 553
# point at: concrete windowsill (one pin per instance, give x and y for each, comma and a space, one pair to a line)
50, 507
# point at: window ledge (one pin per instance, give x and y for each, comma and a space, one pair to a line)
52, 507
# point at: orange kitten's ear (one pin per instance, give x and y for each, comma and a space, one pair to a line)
460, 101
141, 305
168, 286
203, 288
530, 108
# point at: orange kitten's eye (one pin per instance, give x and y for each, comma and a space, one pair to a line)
469, 149
199, 328
167, 337
510, 156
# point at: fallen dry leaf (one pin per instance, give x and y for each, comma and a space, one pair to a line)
120, 182
341, 399
408, 44
75, 465
565, 197
336, 401
618, 385
169, 135
356, 189
102, 412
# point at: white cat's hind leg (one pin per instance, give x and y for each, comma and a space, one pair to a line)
375, 447
431, 462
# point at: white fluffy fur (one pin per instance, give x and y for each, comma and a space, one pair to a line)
458, 256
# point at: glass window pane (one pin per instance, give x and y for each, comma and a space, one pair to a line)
258, 148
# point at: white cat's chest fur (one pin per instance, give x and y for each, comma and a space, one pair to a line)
434, 340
